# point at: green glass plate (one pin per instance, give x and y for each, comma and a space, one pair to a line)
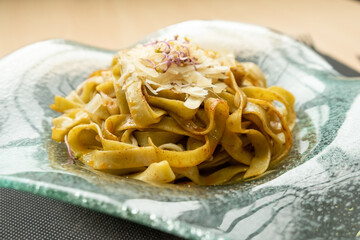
313, 193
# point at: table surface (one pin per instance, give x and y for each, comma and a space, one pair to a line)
32, 217
332, 25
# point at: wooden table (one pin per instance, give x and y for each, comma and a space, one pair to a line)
333, 25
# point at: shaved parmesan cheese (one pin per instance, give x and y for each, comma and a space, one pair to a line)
150, 88
198, 79
219, 87
195, 91
164, 87
94, 104
152, 82
193, 102
176, 65
146, 70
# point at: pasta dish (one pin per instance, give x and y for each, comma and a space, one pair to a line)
172, 112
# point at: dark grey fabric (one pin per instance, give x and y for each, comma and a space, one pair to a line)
28, 216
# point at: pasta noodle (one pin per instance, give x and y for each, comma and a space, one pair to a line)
172, 112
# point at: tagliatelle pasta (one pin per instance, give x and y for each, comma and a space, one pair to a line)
172, 112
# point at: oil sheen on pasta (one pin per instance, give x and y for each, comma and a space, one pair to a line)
172, 112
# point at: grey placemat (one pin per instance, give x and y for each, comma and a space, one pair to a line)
28, 216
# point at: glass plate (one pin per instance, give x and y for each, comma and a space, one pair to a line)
313, 193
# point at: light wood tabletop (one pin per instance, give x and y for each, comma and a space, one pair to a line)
332, 25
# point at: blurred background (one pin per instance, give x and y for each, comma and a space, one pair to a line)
331, 26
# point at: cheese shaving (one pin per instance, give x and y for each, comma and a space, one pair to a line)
193, 102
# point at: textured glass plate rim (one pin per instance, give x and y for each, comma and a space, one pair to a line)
102, 203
